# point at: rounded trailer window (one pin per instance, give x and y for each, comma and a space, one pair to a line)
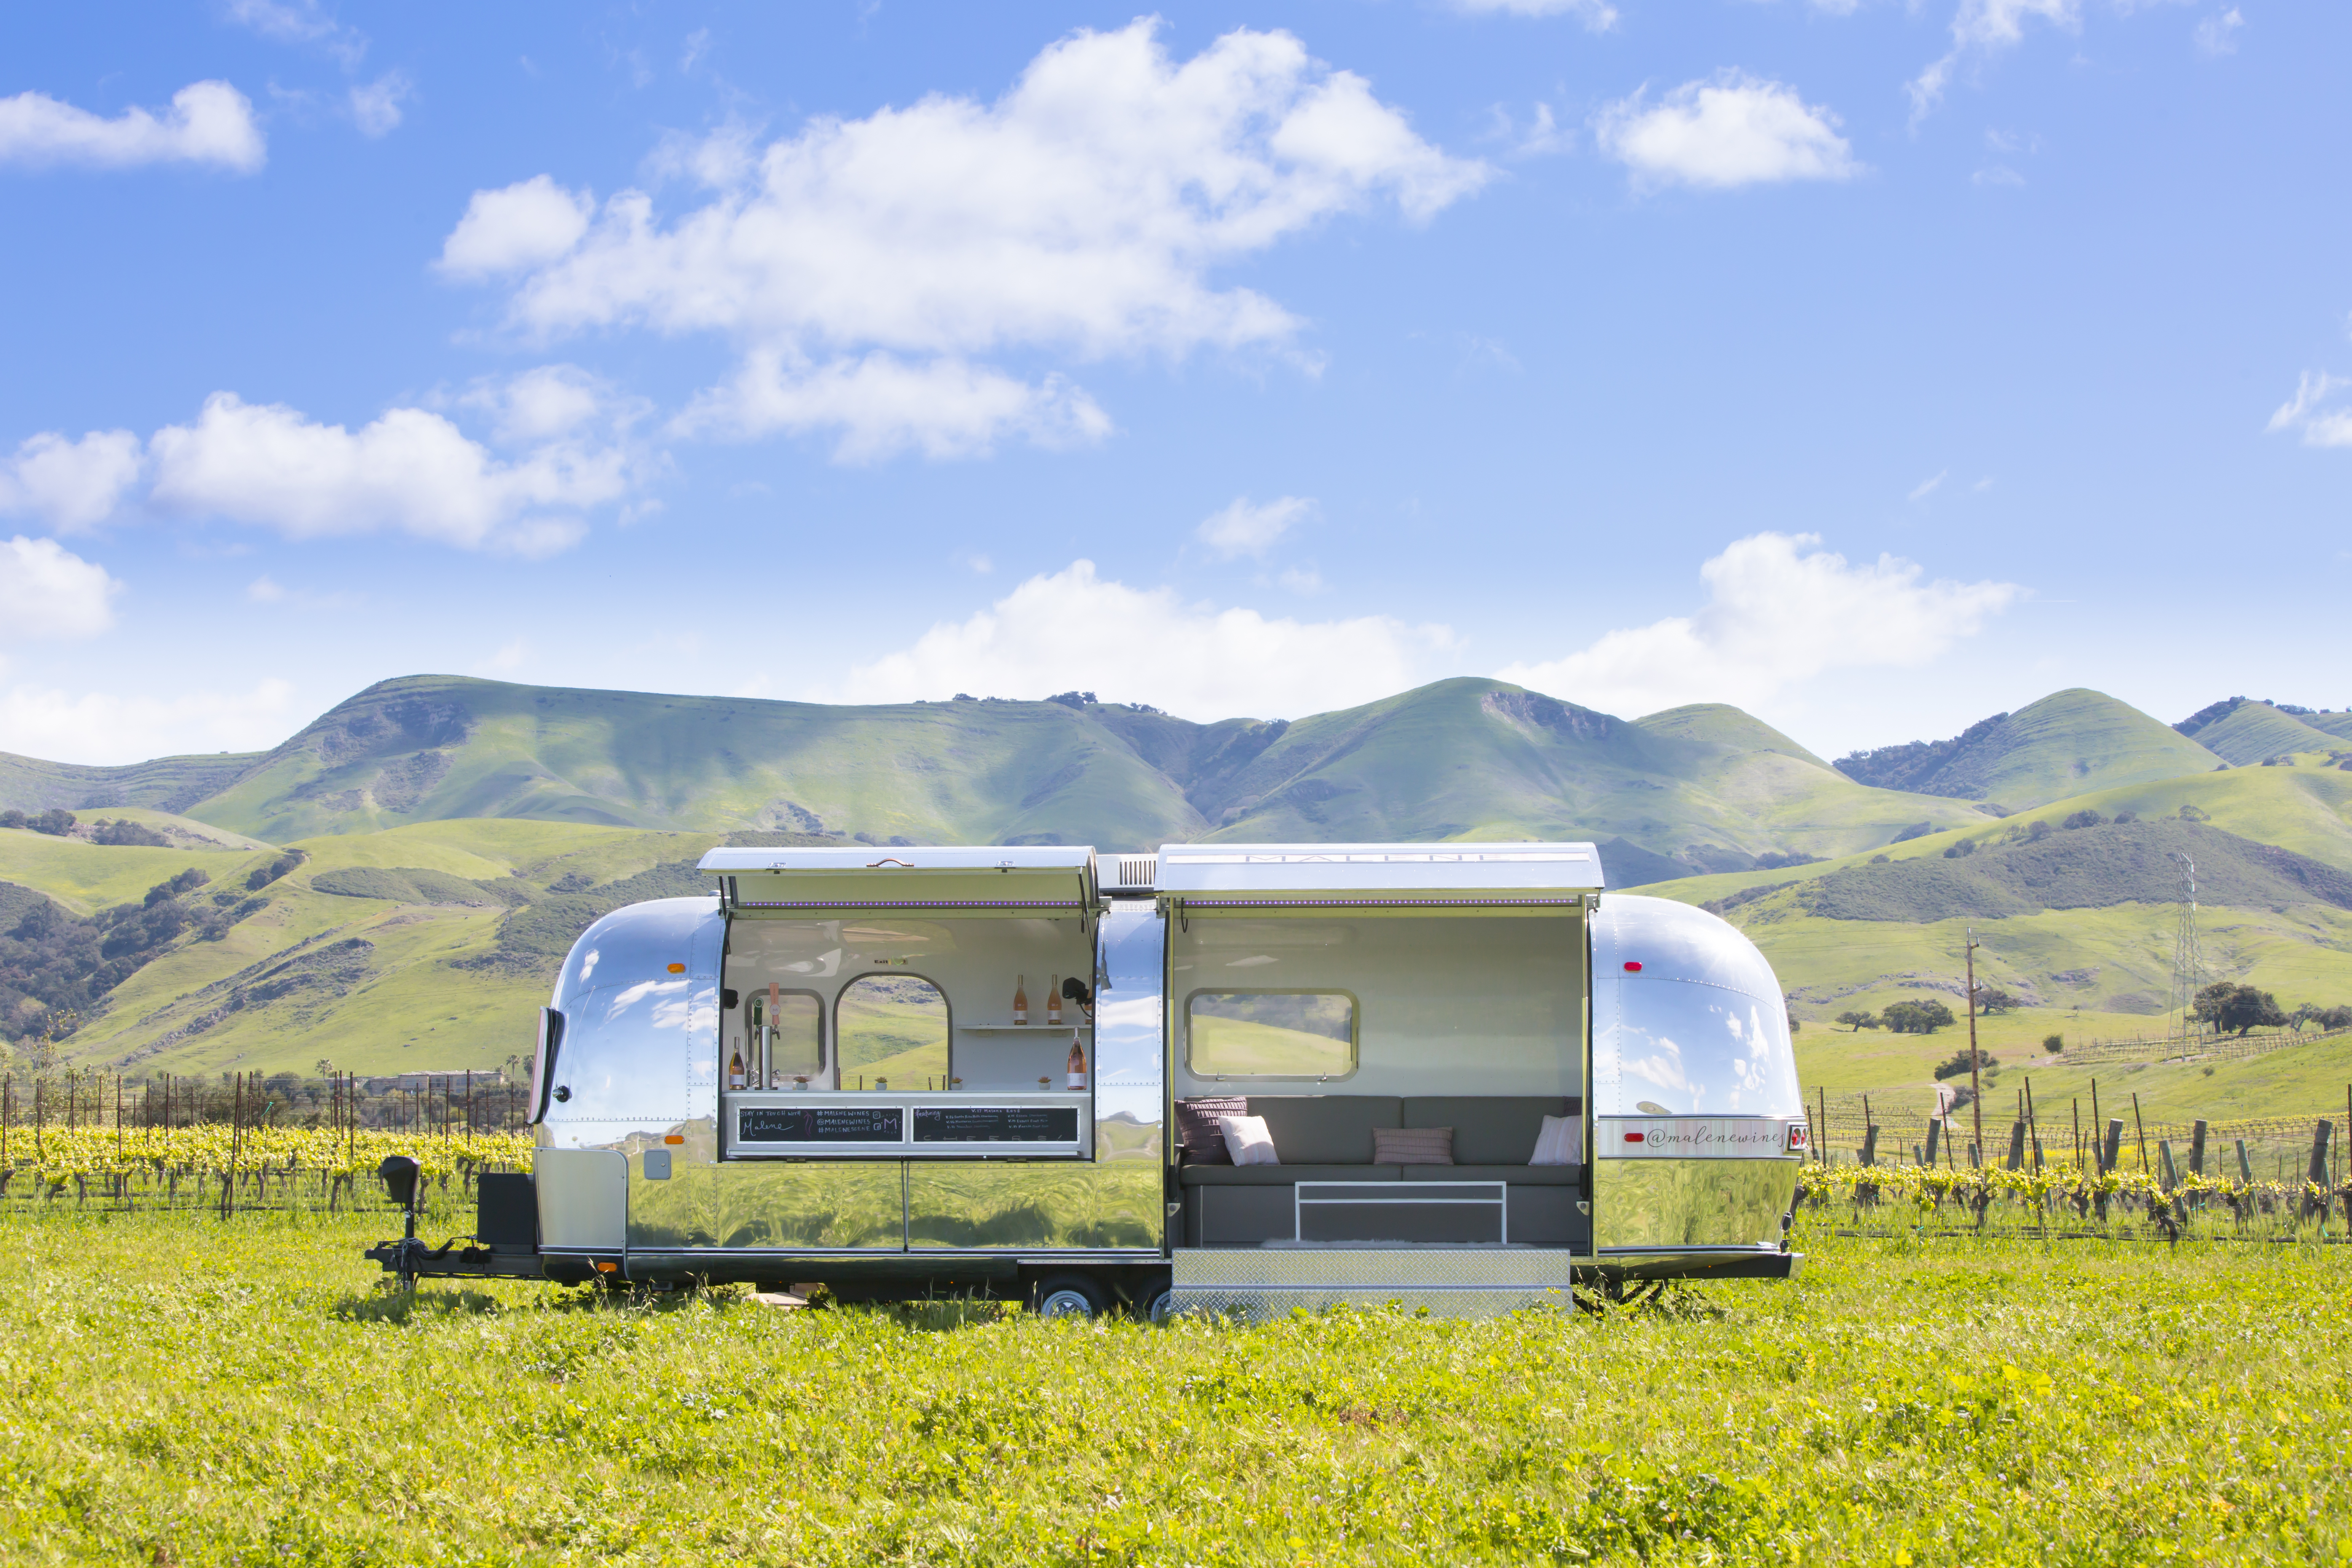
891, 1027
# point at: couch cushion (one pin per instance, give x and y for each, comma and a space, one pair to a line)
1518, 1175
1413, 1145
1199, 1138
1488, 1130
1283, 1175
1326, 1129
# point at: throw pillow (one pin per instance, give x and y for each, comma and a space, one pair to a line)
1247, 1141
1413, 1145
1561, 1142
1202, 1142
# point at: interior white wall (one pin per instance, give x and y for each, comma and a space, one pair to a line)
1446, 1004
972, 961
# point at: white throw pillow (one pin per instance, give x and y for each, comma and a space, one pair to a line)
1561, 1142
1247, 1141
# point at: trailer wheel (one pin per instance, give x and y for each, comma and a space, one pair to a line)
1158, 1306
1071, 1296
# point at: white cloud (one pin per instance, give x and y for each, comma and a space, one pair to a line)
1980, 27
2320, 427
881, 404
517, 227
208, 122
1927, 487
300, 21
1072, 629
262, 590
865, 268
1735, 130
1243, 527
100, 727
45, 591
508, 658
2219, 35
375, 106
70, 484
409, 470
1779, 611
1597, 14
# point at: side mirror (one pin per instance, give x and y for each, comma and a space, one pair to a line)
399, 1174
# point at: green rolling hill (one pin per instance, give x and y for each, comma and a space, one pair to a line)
392, 887
2071, 742
2242, 732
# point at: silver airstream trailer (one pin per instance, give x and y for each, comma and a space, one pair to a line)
1034, 1072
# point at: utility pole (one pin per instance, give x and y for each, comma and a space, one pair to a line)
1976, 1089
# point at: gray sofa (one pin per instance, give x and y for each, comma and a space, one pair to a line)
1328, 1137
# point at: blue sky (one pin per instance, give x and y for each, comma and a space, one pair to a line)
1875, 367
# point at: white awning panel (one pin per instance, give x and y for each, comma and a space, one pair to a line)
1214, 876
1022, 879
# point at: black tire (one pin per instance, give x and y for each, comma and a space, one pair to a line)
1157, 1304
1069, 1296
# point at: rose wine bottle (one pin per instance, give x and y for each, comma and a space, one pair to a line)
1053, 1000
1076, 1068
735, 1068
1020, 998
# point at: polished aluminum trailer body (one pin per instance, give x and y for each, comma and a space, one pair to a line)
709, 1105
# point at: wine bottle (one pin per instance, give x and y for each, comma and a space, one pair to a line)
735, 1068
1020, 999
1053, 1000
1076, 1068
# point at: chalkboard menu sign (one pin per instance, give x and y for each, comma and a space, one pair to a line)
822, 1125
996, 1124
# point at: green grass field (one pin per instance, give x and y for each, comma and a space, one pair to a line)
185, 1391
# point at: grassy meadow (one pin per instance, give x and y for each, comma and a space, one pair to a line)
180, 1390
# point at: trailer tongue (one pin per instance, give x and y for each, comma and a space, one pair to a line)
1283, 1075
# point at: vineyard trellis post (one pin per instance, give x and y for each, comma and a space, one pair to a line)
2197, 1148
2142, 1129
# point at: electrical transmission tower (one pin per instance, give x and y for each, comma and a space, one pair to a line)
2188, 967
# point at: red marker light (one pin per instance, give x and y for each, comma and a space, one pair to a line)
1633, 966
1634, 1137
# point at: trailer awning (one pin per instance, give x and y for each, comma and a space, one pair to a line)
948, 879
1207, 878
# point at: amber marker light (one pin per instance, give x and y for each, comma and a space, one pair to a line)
680, 968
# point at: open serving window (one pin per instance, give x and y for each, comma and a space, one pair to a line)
907, 1002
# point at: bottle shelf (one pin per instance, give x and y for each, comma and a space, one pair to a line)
1020, 1029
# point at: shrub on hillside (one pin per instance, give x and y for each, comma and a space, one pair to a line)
1991, 999
2192, 814
2054, 1043
121, 831
2085, 818
1917, 1017
1858, 1022
1960, 851
264, 874
2037, 833
1917, 830
1957, 1064
56, 822
2123, 817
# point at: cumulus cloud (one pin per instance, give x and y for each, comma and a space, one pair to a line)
208, 122
411, 470
1735, 130
102, 728
880, 405
1596, 14
867, 268
1245, 527
1982, 28
1780, 610
375, 106
2217, 35
300, 21
2319, 426
515, 228
45, 591
1073, 629
68, 484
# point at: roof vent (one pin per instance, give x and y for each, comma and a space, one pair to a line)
1130, 873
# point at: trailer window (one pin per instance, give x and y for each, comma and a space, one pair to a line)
795, 1051
892, 1027
1270, 1033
